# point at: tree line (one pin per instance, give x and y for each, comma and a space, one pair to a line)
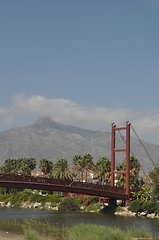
82, 166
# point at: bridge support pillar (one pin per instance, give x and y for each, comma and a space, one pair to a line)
112, 202
126, 202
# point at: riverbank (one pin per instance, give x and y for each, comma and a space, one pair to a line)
124, 211
10, 236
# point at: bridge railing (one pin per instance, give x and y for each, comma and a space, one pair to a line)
61, 182
97, 186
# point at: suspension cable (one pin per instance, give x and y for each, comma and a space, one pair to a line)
145, 174
143, 146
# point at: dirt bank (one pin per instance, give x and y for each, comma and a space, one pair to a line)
10, 236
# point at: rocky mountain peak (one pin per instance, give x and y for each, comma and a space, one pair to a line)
48, 122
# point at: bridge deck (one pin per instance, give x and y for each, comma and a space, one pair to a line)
50, 184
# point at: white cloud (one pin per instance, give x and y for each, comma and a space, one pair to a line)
66, 111
69, 112
148, 122
3, 111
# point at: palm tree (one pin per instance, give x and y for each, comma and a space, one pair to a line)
77, 165
83, 164
24, 166
61, 170
30, 162
88, 162
10, 166
21, 166
46, 166
135, 180
102, 170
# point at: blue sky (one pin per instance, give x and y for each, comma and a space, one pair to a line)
86, 63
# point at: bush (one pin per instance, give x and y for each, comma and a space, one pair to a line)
96, 207
136, 206
140, 206
91, 200
149, 207
156, 208
53, 198
3, 197
70, 204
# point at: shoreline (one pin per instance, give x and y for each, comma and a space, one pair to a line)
125, 212
122, 211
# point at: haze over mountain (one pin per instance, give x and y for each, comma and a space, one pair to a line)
52, 140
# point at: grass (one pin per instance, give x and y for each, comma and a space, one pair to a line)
89, 232
30, 234
36, 230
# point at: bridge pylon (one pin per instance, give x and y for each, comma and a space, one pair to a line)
126, 150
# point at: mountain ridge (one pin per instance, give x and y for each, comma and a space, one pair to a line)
46, 138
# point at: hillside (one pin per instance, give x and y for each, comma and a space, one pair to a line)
46, 138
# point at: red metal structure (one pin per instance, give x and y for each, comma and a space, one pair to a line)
114, 150
61, 185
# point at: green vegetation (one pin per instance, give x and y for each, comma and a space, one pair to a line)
102, 170
61, 170
94, 207
135, 180
88, 232
22, 166
29, 196
70, 204
82, 164
80, 169
35, 230
148, 207
154, 176
55, 199
30, 234
147, 199
46, 167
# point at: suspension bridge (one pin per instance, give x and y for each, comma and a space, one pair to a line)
111, 192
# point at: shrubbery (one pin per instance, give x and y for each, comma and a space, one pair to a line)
64, 204
136, 206
70, 204
141, 206
30, 196
96, 207
55, 198
149, 207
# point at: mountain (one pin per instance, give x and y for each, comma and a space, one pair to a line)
52, 140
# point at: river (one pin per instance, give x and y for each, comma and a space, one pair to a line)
71, 218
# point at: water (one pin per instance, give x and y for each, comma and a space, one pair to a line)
72, 218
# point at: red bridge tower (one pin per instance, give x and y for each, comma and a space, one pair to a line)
114, 150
